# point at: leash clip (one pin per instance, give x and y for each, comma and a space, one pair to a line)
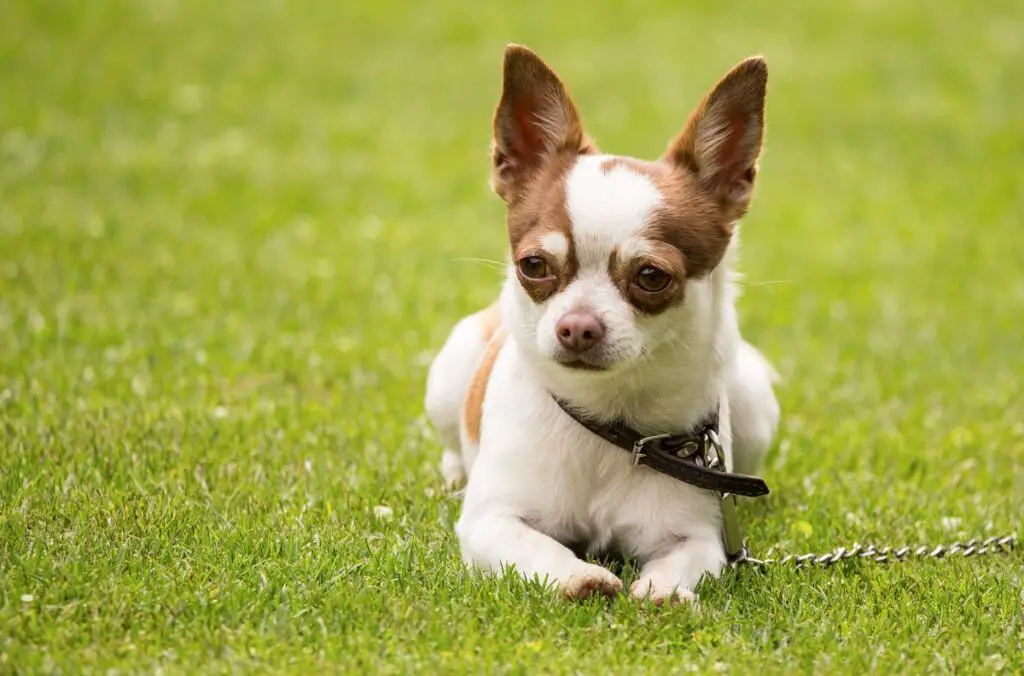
713, 443
732, 532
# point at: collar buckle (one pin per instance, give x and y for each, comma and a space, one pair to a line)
638, 446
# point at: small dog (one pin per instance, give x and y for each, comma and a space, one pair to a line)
619, 304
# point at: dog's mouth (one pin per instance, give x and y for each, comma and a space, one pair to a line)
581, 365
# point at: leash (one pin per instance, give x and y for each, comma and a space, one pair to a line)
697, 458
996, 544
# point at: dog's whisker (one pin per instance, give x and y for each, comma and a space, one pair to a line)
485, 262
769, 282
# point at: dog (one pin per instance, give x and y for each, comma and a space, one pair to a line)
619, 305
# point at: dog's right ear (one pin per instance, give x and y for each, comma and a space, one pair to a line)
535, 120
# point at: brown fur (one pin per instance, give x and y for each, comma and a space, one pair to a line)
534, 121
538, 210
472, 412
538, 136
690, 220
722, 138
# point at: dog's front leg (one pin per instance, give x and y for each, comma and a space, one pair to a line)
493, 542
672, 575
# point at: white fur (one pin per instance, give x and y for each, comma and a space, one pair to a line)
537, 479
556, 244
606, 207
634, 247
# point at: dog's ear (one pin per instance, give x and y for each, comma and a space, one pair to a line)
722, 139
535, 119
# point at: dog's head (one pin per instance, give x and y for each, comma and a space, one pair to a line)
612, 255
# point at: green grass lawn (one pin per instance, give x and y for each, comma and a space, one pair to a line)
232, 235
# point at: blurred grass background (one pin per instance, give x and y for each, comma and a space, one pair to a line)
233, 234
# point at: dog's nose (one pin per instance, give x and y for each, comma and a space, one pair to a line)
579, 330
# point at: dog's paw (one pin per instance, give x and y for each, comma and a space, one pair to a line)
589, 579
453, 470
660, 593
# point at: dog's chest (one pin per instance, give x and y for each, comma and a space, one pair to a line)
570, 484
581, 490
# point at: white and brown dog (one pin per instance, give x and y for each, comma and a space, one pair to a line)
619, 300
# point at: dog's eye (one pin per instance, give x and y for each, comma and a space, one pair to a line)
534, 267
652, 279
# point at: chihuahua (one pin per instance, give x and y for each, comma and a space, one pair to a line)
619, 305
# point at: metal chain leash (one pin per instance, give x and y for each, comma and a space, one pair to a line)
997, 544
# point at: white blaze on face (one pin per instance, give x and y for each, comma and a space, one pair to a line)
607, 210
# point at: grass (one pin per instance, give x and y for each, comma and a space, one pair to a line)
232, 235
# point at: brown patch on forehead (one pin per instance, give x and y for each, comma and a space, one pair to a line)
539, 210
690, 219
540, 207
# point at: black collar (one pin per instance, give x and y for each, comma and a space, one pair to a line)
694, 457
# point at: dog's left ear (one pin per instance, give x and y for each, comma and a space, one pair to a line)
722, 139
